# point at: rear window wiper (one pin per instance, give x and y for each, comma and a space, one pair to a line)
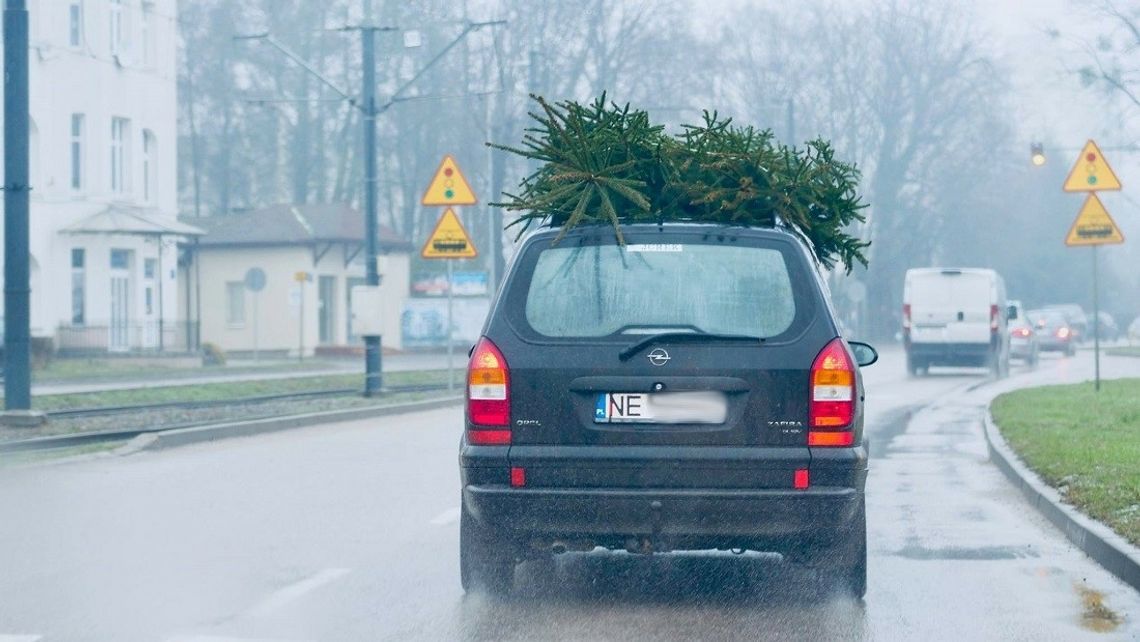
625, 354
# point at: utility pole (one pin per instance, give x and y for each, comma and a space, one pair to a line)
372, 373
17, 315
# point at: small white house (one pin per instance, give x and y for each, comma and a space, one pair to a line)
104, 230
309, 258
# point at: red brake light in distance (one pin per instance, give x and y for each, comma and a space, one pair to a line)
832, 403
1063, 333
1021, 332
488, 396
906, 317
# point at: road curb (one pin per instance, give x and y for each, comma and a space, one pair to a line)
214, 432
1098, 541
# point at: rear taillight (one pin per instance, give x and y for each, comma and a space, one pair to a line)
1021, 332
906, 317
832, 406
1063, 333
488, 396
994, 318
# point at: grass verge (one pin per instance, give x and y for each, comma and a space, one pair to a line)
228, 390
78, 370
1124, 351
1083, 443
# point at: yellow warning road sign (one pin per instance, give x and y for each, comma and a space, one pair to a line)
449, 187
449, 240
1091, 172
1094, 226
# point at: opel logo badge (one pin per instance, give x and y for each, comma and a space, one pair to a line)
658, 357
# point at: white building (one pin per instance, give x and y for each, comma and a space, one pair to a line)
104, 232
310, 257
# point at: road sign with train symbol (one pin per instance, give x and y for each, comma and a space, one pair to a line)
449, 240
1094, 226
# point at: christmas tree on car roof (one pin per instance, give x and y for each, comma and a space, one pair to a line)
607, 163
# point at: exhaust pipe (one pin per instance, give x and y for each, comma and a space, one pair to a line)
558, 548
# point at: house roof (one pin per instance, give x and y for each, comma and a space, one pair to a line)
121, 219
293, 225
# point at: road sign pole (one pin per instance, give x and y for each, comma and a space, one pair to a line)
450, 320
1096, 319
301, 324
256, 338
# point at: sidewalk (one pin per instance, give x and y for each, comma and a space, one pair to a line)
389, 363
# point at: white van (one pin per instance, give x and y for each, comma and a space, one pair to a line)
955, 317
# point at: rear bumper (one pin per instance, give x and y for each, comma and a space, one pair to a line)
776, 519
1021, 348
1053, 344
950, 353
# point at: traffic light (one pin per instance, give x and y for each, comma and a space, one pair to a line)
1037, 154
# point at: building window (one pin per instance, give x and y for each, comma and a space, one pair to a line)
235, 303
145, 29
120, 134
75, 24
78, 286
150, 178
77, 151
149, 268
120, 259
117, 27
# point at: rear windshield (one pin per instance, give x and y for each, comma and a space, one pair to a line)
1050, 317
600, 290
955, 290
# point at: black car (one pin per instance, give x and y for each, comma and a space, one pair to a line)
687, 390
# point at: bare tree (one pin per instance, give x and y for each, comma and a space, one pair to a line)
903, 89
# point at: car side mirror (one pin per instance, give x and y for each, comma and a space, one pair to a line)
865, 355
1011, 312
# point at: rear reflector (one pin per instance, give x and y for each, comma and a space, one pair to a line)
489, 437
518, 477
488, 391
819, 438
800, 479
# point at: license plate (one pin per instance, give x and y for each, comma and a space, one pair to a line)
695, 407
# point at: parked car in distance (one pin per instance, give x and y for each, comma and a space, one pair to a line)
1076, 318
955, 317
688, 390
1023, 343
1106, 326
1053, 331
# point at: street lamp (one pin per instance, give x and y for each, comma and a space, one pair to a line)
1037, 154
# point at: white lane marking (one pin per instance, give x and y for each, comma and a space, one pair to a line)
20, 638
446, 517
287, 594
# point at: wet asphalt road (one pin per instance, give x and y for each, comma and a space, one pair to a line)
350, 532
